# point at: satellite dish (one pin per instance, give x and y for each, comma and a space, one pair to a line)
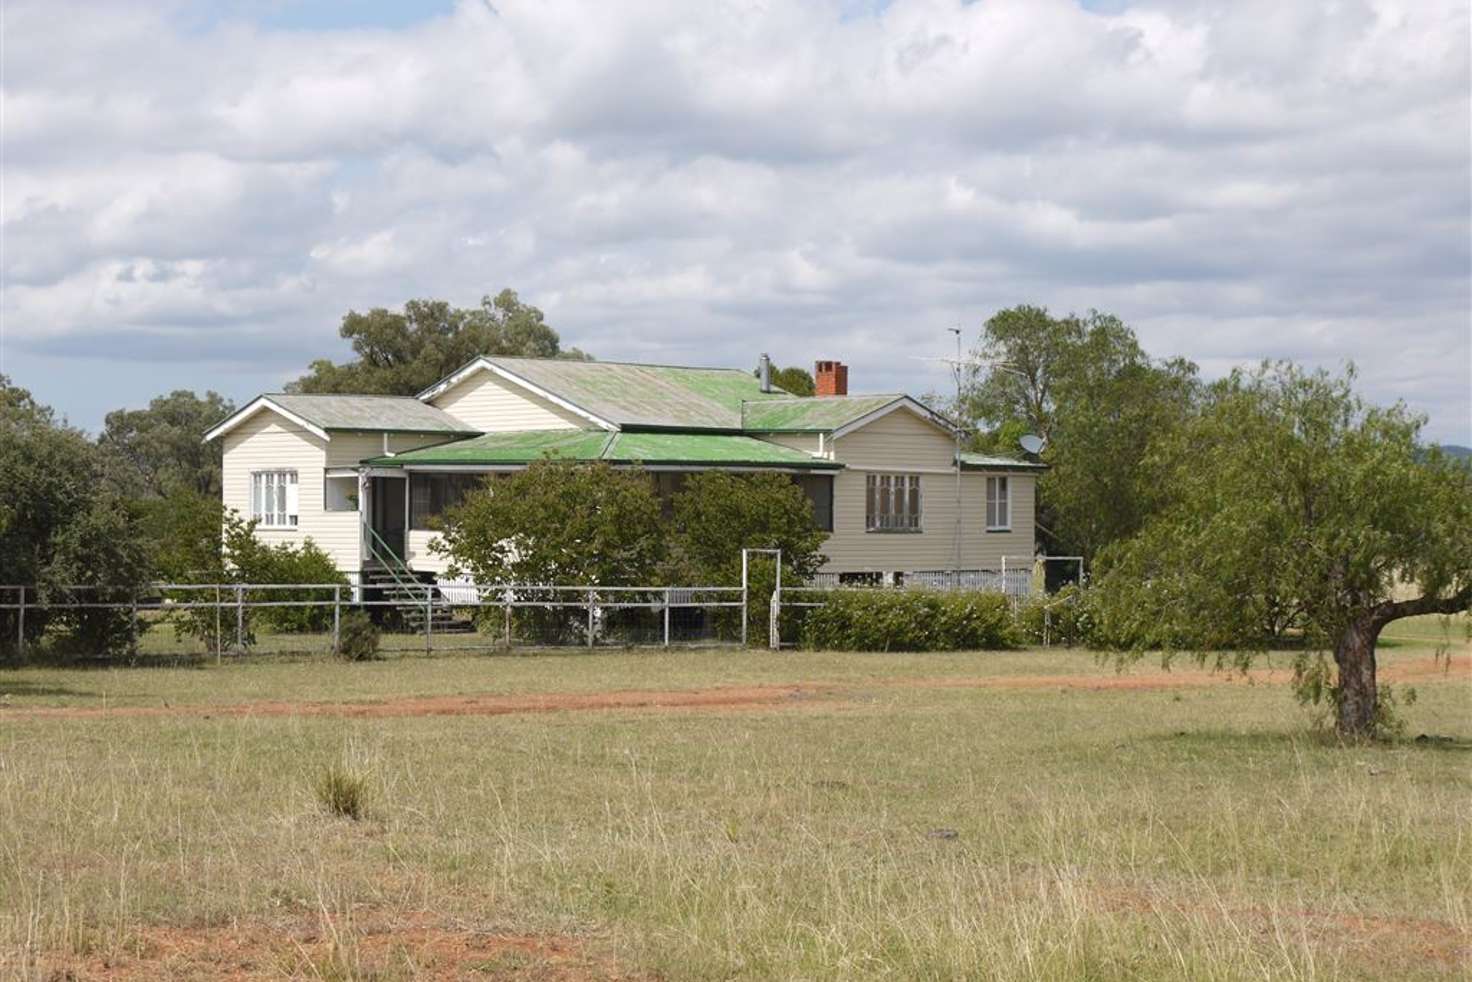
1032, 444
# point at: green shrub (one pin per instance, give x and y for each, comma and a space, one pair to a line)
357, 637
910, 620
1063, 618
343, 791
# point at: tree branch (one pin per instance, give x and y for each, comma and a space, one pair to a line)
1455, 604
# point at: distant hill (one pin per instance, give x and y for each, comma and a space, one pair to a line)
1452, 450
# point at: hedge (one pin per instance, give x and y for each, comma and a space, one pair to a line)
910, 620
1068, 616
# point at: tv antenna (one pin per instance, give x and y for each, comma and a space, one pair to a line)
958, 367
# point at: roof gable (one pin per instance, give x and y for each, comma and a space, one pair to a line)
831, 414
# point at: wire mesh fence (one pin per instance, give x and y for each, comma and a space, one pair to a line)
1016, 581
225, 620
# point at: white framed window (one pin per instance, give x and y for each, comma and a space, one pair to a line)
998, 504
339, 493
892, 503
273, 498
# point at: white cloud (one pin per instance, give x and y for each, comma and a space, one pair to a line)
698, 182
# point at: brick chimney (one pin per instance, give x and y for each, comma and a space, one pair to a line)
832, 378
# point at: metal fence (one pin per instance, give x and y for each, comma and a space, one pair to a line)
229, 619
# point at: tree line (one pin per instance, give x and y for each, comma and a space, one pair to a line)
1273, 507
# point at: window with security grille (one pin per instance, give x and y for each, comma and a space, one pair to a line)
893, 503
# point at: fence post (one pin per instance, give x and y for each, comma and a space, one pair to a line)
239, 619
774, 638
667, 616
506, 606
745, 602
590, 618
20, 630
219, 629
428, 617
337, 620
133, 625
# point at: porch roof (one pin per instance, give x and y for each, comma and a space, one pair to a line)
990, 462
650, 448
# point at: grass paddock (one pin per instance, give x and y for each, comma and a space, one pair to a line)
720, 814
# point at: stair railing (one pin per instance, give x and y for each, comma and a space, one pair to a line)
393, 564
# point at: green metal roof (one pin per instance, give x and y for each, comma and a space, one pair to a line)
631, 395
403, 414
668, 449
810, 415
988, 462
707, 448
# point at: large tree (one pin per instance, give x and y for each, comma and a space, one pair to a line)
1086, 386
62, 526
403, 352
1287, 491
153, 452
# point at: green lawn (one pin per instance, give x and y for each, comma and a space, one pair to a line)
1019, 815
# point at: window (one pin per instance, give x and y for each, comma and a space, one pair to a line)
893, 503
819, 489
340, 493
273, 498
432, 494
998, 505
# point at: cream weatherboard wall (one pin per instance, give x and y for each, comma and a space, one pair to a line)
903, 443
485, 401
269, 442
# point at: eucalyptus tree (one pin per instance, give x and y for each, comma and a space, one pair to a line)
1087, 387
404, 352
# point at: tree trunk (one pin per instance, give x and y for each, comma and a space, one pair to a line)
1355, 656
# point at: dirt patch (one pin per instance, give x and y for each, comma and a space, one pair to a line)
728, 697
481, 705
414, 946
1381, 939
1447, 666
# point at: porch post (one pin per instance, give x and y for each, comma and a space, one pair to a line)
363, 541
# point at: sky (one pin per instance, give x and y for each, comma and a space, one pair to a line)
193, 194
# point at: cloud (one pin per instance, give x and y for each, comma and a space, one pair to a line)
699, 182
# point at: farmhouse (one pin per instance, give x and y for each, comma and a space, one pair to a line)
365, 477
